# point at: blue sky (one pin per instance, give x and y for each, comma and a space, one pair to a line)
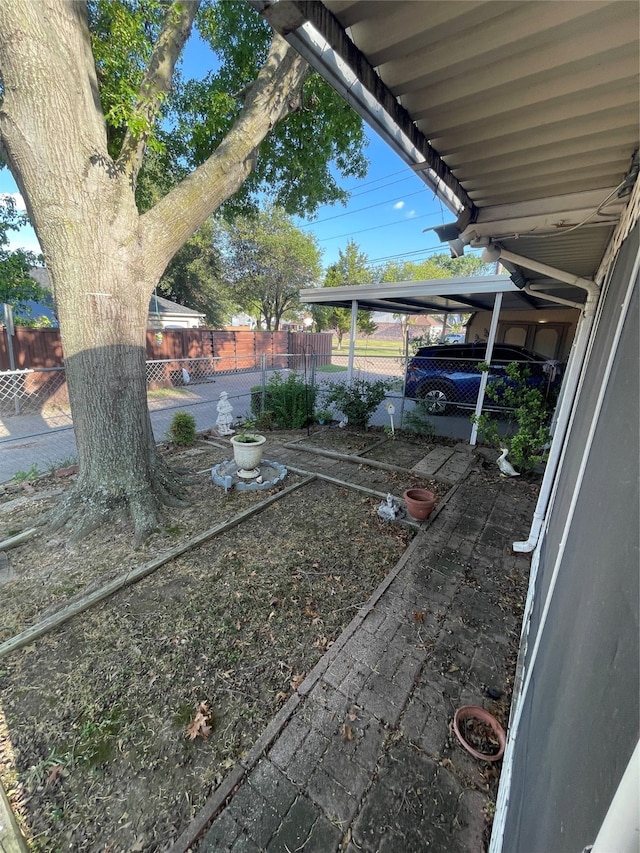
386, 214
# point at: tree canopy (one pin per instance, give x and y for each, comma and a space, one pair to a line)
352, 267
195, 276
436, 267
195, 115
17, 287
269, 259
120, 161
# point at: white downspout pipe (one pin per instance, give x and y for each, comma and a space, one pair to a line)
352, 340
580, 343
497, 304
576, 360
541, 293
551, 272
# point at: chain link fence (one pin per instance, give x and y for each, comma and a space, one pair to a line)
441, 386
179, 383
28, 392
447, 385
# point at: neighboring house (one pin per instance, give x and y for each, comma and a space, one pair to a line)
242, 321
46, 308
163, 313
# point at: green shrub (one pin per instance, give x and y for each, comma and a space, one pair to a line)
529, 413
418, 421
183, 429
23, 476
289, 401
357, 401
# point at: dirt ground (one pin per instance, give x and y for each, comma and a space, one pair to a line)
117, 725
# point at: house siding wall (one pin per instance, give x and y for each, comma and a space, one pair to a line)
478, 326
580, 714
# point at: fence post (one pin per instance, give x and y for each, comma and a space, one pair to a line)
8, 325
312, 369
263, 382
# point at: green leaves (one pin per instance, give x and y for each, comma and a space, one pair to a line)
195, 276
16, 285
269, 260
530, 410
123, 33
352, 267
358, 401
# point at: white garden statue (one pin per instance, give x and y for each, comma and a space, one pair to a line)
225, 415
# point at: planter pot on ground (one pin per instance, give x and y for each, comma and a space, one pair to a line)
420, 503
482, 718
248, 454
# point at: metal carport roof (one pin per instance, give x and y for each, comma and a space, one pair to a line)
522, 115
451, 295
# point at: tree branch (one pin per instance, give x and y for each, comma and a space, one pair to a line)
157, 83
275, 93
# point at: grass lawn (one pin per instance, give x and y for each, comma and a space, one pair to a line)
367, 346
331, 368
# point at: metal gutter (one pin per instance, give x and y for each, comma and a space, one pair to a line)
570, 382
317, 35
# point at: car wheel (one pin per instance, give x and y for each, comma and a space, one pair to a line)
437, 400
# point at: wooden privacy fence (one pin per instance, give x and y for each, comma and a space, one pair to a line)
232, 350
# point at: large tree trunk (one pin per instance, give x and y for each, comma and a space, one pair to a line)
104, 259
121, 471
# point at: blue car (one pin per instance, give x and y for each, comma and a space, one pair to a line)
447, 377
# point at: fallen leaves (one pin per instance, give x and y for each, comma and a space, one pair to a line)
297, 680
202, 723
322, 643
311, 613
55, 773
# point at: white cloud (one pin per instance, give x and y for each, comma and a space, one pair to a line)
398, 205
411, 214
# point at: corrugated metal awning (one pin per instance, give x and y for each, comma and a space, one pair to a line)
451, 295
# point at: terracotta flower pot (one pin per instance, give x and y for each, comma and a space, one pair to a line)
474, 712
420, 503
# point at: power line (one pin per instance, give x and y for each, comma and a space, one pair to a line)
358, 210
437, 250
383, 178
383, 186
401, 222
374, 228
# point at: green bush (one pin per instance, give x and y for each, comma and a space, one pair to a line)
418, 421
357, 401
290, 401
183, 429
529, 411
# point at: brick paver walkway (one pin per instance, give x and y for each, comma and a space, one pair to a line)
363, 758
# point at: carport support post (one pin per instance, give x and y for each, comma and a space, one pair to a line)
352, 339
497, 304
